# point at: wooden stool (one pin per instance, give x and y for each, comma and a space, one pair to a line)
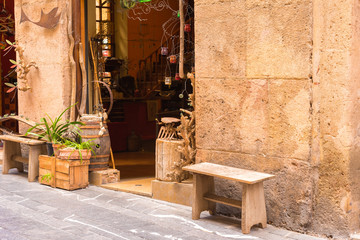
12, 155
252, 206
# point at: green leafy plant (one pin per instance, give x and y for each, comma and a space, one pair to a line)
78, 146
53, 129
47, 177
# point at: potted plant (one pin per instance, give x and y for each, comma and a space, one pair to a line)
76, 150
70, 168
52, 130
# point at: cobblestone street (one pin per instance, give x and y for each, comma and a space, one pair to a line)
34, 211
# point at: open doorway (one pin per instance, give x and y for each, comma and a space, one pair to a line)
135, 49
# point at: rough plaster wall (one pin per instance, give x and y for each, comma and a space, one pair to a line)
353, 206
49, 49
253, 97
336, 205
259, 108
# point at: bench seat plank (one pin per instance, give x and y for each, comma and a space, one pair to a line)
226, 172
18, 139
223, 200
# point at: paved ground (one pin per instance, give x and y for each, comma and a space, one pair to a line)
34, 211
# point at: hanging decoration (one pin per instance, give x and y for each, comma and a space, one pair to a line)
168, 81
177, 77
164, 51
187, 27
172, 59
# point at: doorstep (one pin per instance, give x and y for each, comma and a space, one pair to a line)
140, 186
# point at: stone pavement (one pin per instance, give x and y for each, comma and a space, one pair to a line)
34, 211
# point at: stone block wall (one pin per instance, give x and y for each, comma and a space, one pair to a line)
49, 48
275, 92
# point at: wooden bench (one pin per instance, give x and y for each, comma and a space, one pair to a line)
12, 155
252, 206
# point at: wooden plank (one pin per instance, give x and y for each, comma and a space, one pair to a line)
45, 162
63, 184
62, 176
18, 158
43, 171
231, 173
62, 166
75, 163
24, 140
223, 200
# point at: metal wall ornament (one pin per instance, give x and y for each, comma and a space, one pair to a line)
47, 20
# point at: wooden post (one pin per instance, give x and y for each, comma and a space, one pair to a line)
33, 170
253, 209
11, 149
202, 184
181, 56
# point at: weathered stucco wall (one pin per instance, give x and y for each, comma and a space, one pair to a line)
276, 91
49, 48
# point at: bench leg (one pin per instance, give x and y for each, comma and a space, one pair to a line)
202, 185
11, 149
33, 171
253, 206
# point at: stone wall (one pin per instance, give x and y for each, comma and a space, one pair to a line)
49, 48
276, 92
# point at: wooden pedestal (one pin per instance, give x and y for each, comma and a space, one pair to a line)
166, 156
65, 174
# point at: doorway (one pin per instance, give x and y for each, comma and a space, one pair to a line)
134, 47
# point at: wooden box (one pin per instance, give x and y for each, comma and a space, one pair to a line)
65, 174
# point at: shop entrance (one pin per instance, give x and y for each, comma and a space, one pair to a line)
134, 47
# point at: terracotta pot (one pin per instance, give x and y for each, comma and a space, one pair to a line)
57, 147
73, 154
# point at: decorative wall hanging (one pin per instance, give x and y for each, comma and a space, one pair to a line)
47, 20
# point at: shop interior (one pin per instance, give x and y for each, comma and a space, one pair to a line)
134, 48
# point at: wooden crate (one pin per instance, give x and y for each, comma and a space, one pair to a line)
65, 174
